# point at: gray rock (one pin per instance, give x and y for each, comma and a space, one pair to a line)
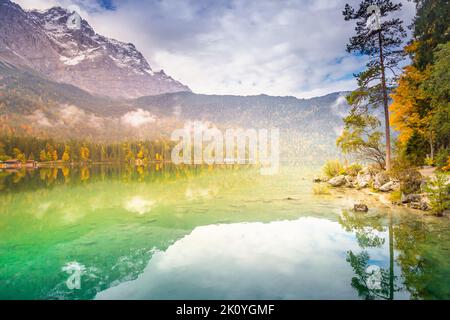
396, 185
350, 181
363, 179
360, 207
387, 187
381, 179
337, 181
407, 198
421, 205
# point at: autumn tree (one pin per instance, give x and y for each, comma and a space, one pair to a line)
383, 47
420, 108
129, 155
84, 153
55, 155
3, 155
141, 152
66, 155
43, 156
19, 155
411, 113
49, 149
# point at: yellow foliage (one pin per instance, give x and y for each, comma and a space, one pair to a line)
55, 155
447, 167
84, 153
408, 98
65, 157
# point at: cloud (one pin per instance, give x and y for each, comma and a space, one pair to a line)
39, 118
139, 205
281, 259
292, 47
138, 118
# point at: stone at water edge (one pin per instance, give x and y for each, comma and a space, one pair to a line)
349, 179
396, 185
360, 207
421, 205
319, 180
337, 181
387, 187
381, 179
364, 179
407, 198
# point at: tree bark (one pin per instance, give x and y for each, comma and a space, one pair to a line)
431, 147
386, 107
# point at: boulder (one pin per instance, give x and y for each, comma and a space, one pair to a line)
407, 198
381, 179
396, 185
349, 181
337, 181
360, 207
387, 187
363, 179
411, 180
420, 205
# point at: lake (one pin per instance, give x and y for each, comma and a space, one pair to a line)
167, 232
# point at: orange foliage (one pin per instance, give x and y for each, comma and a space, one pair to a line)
408, 98
447, 167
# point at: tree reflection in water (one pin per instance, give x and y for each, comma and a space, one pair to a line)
420, 249
371, 282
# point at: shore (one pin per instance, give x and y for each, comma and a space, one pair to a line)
366, 190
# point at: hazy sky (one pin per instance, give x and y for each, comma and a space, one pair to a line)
244, 47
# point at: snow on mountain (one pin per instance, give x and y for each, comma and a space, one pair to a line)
61, 45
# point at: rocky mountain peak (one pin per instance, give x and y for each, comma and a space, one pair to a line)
66, 48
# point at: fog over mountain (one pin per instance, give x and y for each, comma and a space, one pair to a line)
60, 79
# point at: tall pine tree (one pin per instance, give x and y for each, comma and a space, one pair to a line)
383, 47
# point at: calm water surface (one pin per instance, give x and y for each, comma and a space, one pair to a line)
211, 233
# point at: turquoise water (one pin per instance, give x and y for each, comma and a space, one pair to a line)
210, 233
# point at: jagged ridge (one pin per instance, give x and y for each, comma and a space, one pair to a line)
64, 47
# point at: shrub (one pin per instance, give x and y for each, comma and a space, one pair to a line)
447, 167
429, 161
442, 158
332, 168
353, 169
410, 179
439, 193
395, 196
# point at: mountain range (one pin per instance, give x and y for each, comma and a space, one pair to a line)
62, 46
60, 79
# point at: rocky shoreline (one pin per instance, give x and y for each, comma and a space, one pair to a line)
388, 189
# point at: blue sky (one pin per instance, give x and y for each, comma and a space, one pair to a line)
244, 47
107, 4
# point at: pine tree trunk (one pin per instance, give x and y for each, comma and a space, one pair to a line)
431, 147
386, 107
